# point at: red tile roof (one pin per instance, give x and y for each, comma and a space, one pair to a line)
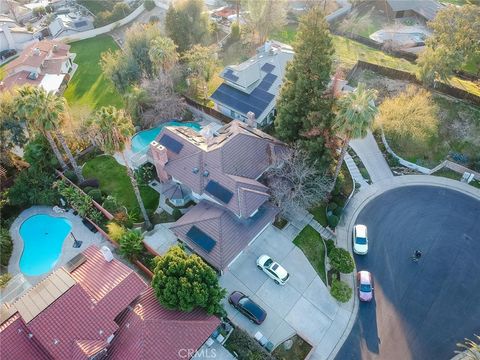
148, 331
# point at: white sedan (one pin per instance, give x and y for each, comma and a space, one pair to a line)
360, 239
273, 269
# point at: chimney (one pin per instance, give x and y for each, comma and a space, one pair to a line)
55, 48
160, 159
107, 254
251, 121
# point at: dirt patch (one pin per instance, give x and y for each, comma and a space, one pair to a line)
386, 87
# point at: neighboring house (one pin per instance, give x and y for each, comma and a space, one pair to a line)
253, 86
13, 36
95, 307
48, 64
71, 23
426, 9
222, 171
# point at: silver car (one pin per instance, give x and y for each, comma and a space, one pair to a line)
273, 269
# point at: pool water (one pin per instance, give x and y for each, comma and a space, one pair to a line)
43, 237
142, 139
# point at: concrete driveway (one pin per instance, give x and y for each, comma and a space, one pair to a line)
302, 306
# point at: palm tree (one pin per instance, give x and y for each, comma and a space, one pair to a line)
356, 111
111, 130
163, 54
45, 112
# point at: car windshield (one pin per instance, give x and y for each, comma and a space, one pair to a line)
268, 263
365, 288
251, 307
275, 267
361, 240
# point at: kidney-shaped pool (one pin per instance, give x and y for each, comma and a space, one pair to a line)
43, 237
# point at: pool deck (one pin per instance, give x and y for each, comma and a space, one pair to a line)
80, 231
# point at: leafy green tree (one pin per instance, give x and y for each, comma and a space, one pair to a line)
121, 69
138, 40
186, 23
304, 110
201, 64
341, 291
111, 130
6, 246
46, 113
163, 54
455, 42
149, 5
185, 282
33, 186
131, 244
12, 131
341, 260
38, 153
355, 115
264, 17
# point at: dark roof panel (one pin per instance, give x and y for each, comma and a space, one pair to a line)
241, 101
201, 239
220, 192
267, 67
171, 144
229, 75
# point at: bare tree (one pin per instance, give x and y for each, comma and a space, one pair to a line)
163, 103
296, 182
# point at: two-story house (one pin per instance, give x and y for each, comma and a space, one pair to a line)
254, 85
47, 64
222, 172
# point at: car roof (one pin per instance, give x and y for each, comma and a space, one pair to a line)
255, 309
365, 277
361, 230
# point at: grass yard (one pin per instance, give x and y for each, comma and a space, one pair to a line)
298, 351
320, 214
89, 87
114, 181
311, 243
96, 6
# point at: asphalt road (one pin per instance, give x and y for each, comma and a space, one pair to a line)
421, 310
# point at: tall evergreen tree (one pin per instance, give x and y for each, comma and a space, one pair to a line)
304, 107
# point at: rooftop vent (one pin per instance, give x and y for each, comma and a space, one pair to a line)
33, 76
195, 170
75, 262
55, 48
30, 335
206, 173
36, 51
107, 254
56, 341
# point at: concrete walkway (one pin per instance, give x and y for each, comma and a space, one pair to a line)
371, 156
362, 198
355, 172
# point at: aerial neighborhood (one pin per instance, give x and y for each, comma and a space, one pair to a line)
239, 179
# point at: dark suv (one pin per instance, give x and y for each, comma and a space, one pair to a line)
247, 307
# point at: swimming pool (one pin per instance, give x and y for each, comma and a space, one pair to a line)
43, 237
142, 139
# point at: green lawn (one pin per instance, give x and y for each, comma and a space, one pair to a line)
95, 6
311, 243
89, 87
114, 181
320, 214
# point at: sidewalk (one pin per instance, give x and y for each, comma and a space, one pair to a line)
371, 156
355, 172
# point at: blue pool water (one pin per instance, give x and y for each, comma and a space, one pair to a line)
43, 237
142, 139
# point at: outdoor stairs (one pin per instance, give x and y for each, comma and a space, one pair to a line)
355, 172
326, 233
299, 219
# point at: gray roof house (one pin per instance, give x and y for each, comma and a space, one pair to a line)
222, 171
253, 86
427, 9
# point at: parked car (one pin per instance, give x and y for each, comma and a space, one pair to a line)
5, 54
365, 286
273, 269
360, 239
247, 307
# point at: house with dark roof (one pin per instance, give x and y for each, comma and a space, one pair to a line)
222, 172
426, 9
253, 86
95, 307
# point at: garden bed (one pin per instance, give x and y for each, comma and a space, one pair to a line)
311, 244
299, 350
280, 223
245, 347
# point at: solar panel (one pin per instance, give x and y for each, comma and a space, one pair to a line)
220, 192
229, 75
171, 144
270, 78
257, 101
201, 239
267, 67
80, 24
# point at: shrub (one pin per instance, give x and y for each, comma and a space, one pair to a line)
341, 260
4, 279
111, 204
122, 218
187, 115
87, 189
338, 211
131, 244
340, 290
94, 183
235, 34
332, 221
145, 174
149, 5
96, 195
6, 246
330, 244
177, 214
245, 346
70, 175
115, 231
